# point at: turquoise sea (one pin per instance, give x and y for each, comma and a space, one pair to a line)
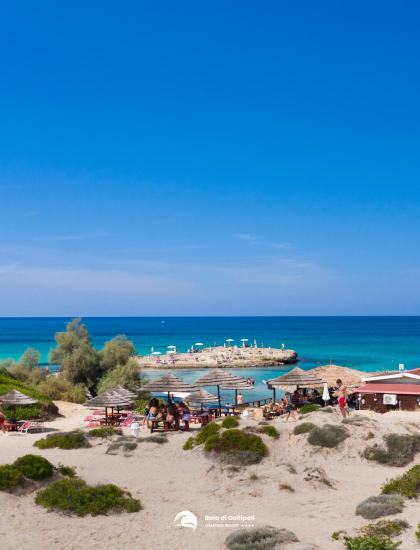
365, 343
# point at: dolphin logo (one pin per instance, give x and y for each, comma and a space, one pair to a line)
186, 519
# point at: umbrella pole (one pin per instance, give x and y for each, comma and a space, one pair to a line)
274, 395
236, 396
218, 397
106, 416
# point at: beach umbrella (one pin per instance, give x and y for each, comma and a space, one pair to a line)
238, 384
243, 340
16, 398
296, 378
326, 394
110, 399
331, 373
199, 344
169, 384
202, 397
124, 392
156, 353
219, 378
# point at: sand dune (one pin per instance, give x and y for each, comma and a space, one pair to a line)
169, 480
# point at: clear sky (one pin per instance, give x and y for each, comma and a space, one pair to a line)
213, 158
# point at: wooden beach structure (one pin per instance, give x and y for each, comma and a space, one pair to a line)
397, 390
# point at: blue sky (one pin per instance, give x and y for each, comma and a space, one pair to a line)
213, 158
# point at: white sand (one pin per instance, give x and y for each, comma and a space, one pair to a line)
169, 480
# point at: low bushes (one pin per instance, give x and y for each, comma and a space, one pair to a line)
67, 471
356, 420
34, 467
303, 428
327, 436
379, 506
408, 485
124, 443
75, 497
270, 431
230, 422
106, 431
309, 408
400, 450
385, 528
64, 440
189, 444
236, 446
260, 538
206, 432
10, 477
377, 536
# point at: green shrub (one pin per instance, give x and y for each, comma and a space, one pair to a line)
270, 431
408, 485
126, 443
309, 408
356, 420
34, 466
106, 431
327, 436
68, 471
385, 528
75, 497
206, 432
230, 422
260, 538
10, 477
189, 444
418, 532
364, 542
303, 428
237, 446
400, 450
379, 506
64, 440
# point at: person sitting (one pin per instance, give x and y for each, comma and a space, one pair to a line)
185, 415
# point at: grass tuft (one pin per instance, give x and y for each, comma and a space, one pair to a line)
189, 444
328, 436
34, 467
64, 440
408, 485
230, 422
309, 408
68, 471
379, 506
10, 477
237, 446
303, 428
271, 431
261, 538
206, 432
400, 450
75, 497
106, 431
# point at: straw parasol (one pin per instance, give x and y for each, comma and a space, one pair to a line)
221, 379
170, 383
202, 397
110, 399
331, 373
296, 378
16, 398
239, 384
124, 392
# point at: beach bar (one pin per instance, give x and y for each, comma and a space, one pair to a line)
399, 390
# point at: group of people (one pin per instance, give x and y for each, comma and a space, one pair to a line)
170, 415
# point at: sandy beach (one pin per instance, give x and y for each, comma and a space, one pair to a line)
221, 357
168, 480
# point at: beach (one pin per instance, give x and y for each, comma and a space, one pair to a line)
169, 480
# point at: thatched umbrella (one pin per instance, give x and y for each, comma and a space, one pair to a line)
16, 398
296, 378
109, 400
170, 384
239, 384
331, 373
202, 397
219, 378
124, 392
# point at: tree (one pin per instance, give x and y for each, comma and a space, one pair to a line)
129, 376
79, 360
117, 352
27, 369
30, 359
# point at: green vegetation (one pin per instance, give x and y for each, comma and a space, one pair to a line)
68, 471
106, 431
328, 436
57, 388
400, 450
34, 467
261, 538
230, 422
126, 443
206, 432
418, 532
385, 528
408, 485
356, 420
364, 542
117, 351
309, 408
303, 428
270, 431
10, 477
237, 446
189, 444
64, 440
75, 497
379, 506
129, 376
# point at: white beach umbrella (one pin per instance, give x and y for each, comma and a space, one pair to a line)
156, 353
171, 347
229, 340
243, 340
326, 394
199, 344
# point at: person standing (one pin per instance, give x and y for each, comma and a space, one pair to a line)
342, 397
240, 399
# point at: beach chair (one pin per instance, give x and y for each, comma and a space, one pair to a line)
31, 425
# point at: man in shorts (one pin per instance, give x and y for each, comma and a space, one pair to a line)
342, 397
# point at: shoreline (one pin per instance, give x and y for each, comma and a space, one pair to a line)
221, 357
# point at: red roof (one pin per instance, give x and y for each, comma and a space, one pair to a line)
399, 389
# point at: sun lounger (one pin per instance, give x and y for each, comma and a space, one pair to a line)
31, 425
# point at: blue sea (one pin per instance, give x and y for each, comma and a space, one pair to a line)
365, 343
